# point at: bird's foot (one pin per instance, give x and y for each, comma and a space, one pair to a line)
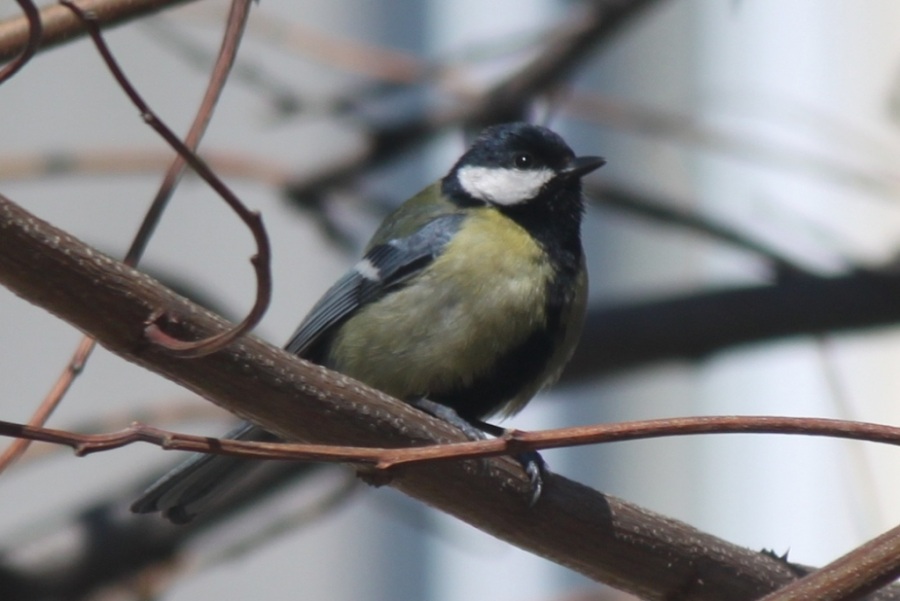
531, 461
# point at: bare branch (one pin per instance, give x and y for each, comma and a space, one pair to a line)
261, 261
656, 209
694, 133
573, 43
60, 25
88, 444
135, 161
867, 568
237, 21
507, 102
33, 17
51, 401
699, 324
598, 535
511, 443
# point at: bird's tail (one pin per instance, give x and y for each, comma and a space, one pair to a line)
186, 490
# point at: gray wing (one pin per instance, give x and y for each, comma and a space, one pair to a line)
384, 268
186, 490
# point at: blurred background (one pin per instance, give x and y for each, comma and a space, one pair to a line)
751, 152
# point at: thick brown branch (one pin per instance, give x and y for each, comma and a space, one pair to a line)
598, 535
865, 569
60, 25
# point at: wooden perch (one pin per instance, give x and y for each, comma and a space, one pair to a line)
598, 535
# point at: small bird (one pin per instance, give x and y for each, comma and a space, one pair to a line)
469, 299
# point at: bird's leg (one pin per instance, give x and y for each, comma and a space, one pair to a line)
531, 461
448, 414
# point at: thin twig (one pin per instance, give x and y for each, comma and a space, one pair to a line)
233, 32
63, 383
572, 44
261, 261
390, 69
132, 161
35, 30
237, 20
513, 442
342, 52
160, 412
565, 52
627, 199
686, 129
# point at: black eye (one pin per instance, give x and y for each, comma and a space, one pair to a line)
523, 160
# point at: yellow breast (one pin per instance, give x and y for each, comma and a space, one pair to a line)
484, 295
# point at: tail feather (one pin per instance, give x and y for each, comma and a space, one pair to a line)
186, 490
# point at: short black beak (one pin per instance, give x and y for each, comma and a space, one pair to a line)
581, 166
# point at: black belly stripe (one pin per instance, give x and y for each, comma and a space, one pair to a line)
527, 363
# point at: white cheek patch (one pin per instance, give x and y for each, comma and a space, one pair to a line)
503, 186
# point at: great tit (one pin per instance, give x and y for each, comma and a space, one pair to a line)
469, 298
